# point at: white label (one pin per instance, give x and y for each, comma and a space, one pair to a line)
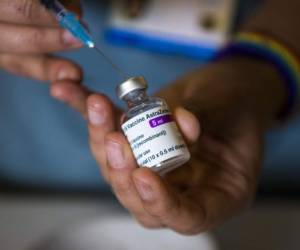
154, 137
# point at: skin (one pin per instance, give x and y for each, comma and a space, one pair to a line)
223, 112
28, 34
224, 129
224, 126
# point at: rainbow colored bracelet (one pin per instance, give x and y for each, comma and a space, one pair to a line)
285, 60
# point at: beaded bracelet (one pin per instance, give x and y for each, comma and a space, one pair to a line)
285, 60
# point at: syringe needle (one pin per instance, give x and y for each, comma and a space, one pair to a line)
120, 72
69, 21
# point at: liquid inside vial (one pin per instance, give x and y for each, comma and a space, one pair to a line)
150, 129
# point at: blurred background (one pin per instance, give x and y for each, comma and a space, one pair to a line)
54, 191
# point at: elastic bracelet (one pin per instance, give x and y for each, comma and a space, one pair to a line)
281, 56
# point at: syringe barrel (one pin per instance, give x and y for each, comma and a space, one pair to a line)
69, 21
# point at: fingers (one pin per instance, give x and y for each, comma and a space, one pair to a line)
31, 12
41, 67
147, 197
121, 164
31, 39
102, 120
150, 199
188, 124
112, 152
162, 203
25, 12
72, 93
65, 76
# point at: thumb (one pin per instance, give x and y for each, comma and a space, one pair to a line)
188, 124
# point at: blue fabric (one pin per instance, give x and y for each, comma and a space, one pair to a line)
45, 143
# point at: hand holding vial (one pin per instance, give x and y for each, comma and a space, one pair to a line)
223, 127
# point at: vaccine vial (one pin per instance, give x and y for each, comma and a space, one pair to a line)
150, 129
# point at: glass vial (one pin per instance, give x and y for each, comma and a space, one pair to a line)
150, 129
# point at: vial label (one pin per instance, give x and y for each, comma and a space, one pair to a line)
154, 137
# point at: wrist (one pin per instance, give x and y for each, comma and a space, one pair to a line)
238, 84
268, 93
278, 54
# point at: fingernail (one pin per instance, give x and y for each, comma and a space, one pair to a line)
96, 115
62, 75
115, 155
57, 93
144, 190
70, 40
68, 74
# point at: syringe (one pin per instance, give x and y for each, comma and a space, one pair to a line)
68, 20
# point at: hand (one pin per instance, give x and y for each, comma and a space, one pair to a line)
230, 107
28, 34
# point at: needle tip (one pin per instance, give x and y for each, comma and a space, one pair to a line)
91, 45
